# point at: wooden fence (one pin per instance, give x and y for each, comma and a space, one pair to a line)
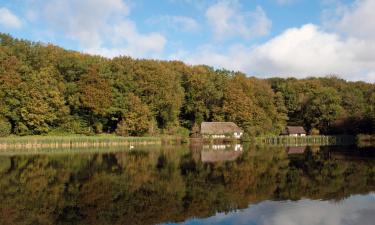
306, 140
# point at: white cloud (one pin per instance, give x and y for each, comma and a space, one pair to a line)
127, 30
227, 20
358, 20
234, 58
100, 27
129, 41
183, 23
85, 20
309, 50
8, 19
298, 52
343, 45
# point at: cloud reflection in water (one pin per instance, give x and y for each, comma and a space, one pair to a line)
358, 209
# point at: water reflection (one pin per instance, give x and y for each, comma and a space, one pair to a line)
354, 210
268, 185
296, 150
220, 153
228, 147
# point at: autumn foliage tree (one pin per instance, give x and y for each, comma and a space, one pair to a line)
94, 96
136, 120
46, 89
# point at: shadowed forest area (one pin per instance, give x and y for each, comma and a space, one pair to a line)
169, 184
45, 89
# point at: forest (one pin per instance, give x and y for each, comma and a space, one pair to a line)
45, 89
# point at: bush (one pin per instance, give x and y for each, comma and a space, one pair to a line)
183, 132
314, 131
122, 129
59, 131
5, 128
132, 127
195, 131
153, 129
76, 125
21, 129
98, 127
246, 137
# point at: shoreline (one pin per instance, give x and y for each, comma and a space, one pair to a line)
26, 143
69, 142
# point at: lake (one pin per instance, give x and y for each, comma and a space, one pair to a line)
189, 185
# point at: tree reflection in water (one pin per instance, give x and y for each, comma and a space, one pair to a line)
172, 184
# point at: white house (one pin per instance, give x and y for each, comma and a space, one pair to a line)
294, 131
220, 130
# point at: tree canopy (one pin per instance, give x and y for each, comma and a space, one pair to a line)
44, 88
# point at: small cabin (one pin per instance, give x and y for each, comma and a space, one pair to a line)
294, 131
220, 130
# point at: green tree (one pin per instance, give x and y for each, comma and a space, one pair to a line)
5, 127
251, 104
44, 88
371, 110
322, 109
204, 94
160, 88
93, 98
136, 119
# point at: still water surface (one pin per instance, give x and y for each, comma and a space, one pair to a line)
190, 185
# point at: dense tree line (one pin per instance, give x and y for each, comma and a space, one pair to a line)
330, 105
45, 89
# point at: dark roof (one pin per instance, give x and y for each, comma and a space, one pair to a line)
219, 128
294, 130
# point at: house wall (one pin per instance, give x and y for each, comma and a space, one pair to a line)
236, 135
217, 136
296, 135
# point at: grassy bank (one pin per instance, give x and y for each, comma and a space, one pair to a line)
307, 140
36, 142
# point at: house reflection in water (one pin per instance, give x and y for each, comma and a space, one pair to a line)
219, 153
296, 150
236, 147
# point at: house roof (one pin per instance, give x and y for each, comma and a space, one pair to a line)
219, 128
294, 130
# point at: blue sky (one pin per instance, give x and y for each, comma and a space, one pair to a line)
264, 38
